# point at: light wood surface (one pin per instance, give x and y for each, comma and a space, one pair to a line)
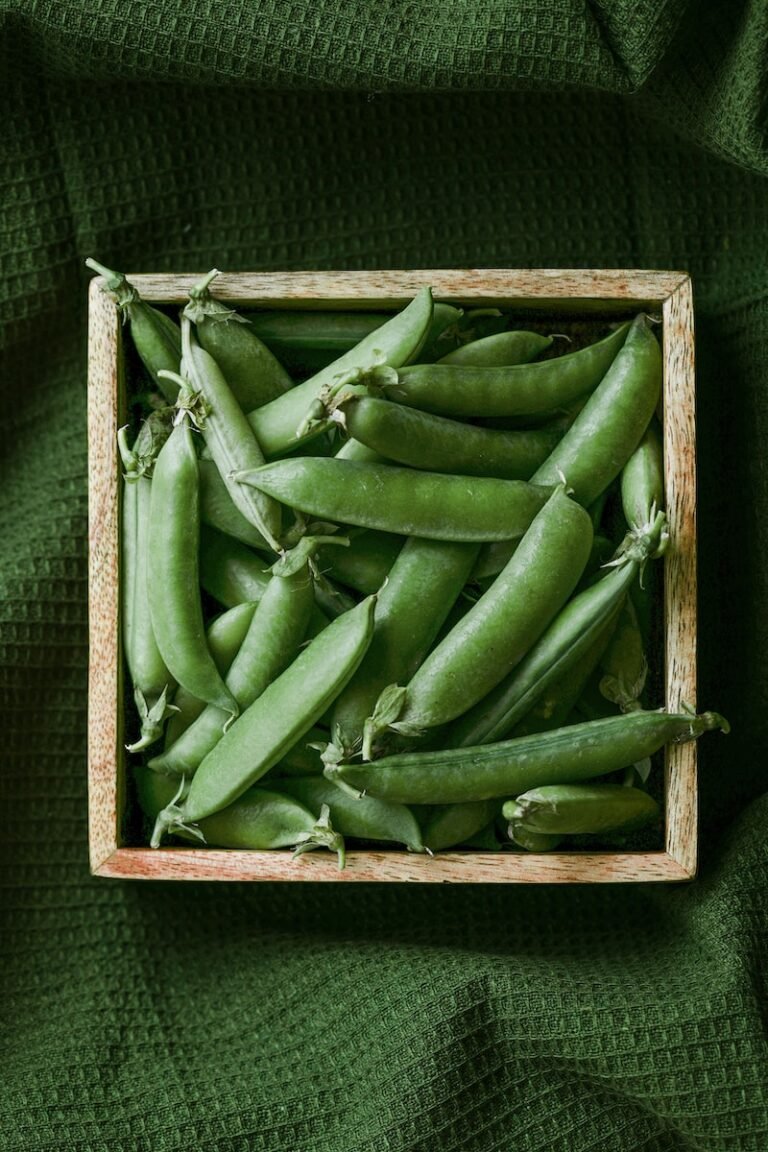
104, 701
665, 294
680, 568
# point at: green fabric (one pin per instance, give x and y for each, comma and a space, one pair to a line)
170, 135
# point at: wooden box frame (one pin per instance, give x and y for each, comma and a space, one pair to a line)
667, 294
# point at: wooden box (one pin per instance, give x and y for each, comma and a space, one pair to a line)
602, 294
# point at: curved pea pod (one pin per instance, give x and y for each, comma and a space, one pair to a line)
228, 436
365, 564
252, 372
305, 341
609, 427
422, 585
218, 509
433, 505
574, 809
453, 824
437, 444
277, 423
230, 571
363, 818
500, 350
266, 730
259, 820
554, 706
642, 479
510, 767
151, 680
355, 450
532, 841
156, 337
277, 629
446, 331
173, 584
224, 636
519, 390
500, 628
562, 646
234, 574
303, 759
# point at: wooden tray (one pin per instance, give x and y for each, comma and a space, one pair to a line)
564, 292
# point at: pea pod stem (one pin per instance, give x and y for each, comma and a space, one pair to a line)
253, 374
156, 337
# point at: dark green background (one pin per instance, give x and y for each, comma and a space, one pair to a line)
172, 135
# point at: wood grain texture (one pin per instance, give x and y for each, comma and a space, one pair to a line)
104, 357
606, 292
523, 287
681, 783
386, 867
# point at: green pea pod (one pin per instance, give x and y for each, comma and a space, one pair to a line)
554, 706
258, 821
303, 759
277, 629
363, 818
532, 841
230, 571
354, 450
252, 372
520, 390
423, 583
275, 721
156, 337
500, 350
151, 680
433, 505
453, 824
365, 564
173, 584
575, 809
234, 574
224, 636
642, 483
229, 436
562, 646
509, 768
218, 509
444, 333
437, 444
610, 425
309, 341
504, 623
276, 424
459, 329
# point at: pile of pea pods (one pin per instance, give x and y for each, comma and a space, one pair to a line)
385, 577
